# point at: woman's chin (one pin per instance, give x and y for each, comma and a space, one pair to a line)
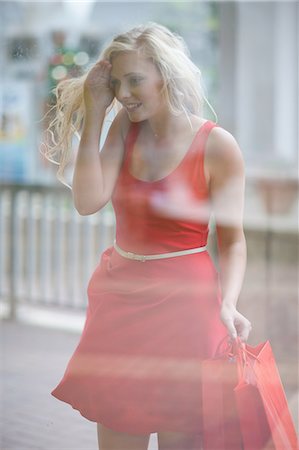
136, 117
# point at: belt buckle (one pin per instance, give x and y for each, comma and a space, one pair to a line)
136, 257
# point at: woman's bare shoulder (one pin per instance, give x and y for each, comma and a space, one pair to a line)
222, 148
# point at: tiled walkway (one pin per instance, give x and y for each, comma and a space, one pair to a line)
34, 358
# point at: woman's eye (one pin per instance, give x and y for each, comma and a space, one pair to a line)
135, 80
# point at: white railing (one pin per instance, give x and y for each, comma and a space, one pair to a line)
47, 250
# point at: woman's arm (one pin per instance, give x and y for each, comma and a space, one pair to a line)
225, 166
96, 172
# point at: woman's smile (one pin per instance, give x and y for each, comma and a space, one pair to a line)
132, 107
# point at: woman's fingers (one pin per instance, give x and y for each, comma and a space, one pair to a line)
99, 75
97, 89
243, 327
237, 325
231, 328
227, 317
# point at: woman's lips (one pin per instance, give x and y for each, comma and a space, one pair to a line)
132, 106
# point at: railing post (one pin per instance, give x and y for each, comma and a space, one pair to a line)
12, 257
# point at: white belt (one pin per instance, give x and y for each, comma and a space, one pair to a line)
144, 258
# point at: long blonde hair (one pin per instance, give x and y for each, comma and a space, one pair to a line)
182, 86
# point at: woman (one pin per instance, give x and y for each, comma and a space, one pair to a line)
156, 304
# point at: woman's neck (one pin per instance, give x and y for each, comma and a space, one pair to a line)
165, 127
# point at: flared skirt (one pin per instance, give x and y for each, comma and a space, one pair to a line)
148, 326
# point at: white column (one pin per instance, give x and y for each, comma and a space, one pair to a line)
254, 79
258, 73
227, 65
286, 96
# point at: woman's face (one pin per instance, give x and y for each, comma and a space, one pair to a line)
137, 85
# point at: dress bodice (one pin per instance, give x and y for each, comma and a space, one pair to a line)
168, 214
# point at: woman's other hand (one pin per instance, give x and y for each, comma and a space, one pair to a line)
97, 90
236, 324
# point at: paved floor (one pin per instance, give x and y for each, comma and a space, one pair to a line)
32, 419
34, 358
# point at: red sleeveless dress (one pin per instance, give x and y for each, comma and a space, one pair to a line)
148, 325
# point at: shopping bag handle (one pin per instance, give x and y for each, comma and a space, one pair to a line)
236, 351
227, 350
233, 348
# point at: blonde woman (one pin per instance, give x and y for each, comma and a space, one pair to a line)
157, 305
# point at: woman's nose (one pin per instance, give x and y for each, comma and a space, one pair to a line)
123, 92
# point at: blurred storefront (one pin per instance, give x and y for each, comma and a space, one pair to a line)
41, 45
250, 72
45, 42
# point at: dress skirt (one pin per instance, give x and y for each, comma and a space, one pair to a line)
136, 368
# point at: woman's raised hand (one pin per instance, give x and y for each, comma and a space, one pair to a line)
97, 92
